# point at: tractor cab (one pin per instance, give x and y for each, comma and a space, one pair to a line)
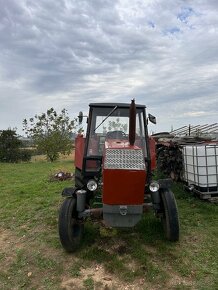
115, 160
109, 126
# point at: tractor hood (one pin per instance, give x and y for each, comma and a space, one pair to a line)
116, 143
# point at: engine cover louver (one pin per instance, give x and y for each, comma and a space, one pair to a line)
124, 159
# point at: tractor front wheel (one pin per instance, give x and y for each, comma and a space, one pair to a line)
70, 228
170, 218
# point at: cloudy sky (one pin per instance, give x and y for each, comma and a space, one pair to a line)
68, 53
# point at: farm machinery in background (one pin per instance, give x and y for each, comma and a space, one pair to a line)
114, 164
190, 154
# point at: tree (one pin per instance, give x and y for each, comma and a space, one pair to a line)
51, 133
117, 125
9, 146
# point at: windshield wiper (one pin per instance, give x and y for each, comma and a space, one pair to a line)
106, 118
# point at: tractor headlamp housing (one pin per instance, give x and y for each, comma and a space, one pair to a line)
92, 185
154, 186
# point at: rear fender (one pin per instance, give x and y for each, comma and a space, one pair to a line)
152, 147
79, 151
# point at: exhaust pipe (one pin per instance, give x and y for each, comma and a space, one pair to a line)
132, 123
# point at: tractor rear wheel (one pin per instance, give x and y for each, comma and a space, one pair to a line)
170, 218
70, 228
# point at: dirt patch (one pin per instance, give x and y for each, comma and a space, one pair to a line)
101, 280
176, 280
9, 242
4, 238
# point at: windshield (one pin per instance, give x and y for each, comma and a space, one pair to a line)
111, 123
111, 112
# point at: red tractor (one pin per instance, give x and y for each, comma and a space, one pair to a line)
115, 160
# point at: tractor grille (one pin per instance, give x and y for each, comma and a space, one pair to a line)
124, 159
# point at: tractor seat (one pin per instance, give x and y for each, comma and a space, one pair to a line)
116, 135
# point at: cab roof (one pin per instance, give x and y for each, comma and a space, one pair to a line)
112, 105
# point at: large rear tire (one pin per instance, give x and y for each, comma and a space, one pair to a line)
170, 218
70, 228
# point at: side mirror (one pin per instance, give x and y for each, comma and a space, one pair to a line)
80, 117
152, 119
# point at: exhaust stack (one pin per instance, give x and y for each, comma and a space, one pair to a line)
132, 122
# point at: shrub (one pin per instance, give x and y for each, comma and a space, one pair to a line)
25, 155
10, 148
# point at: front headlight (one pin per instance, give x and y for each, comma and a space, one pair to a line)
92, 185
154, 186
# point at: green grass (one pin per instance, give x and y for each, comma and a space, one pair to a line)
31, 256
88, 283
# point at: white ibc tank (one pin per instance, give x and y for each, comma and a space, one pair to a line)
201, 165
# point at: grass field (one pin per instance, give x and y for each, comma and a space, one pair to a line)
31, 256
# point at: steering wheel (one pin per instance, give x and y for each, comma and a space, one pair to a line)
116, 135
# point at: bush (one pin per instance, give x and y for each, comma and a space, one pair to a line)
10, 148
25, 155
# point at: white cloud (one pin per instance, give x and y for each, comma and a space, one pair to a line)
69, 53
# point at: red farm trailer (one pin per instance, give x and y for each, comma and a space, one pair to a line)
116, 160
